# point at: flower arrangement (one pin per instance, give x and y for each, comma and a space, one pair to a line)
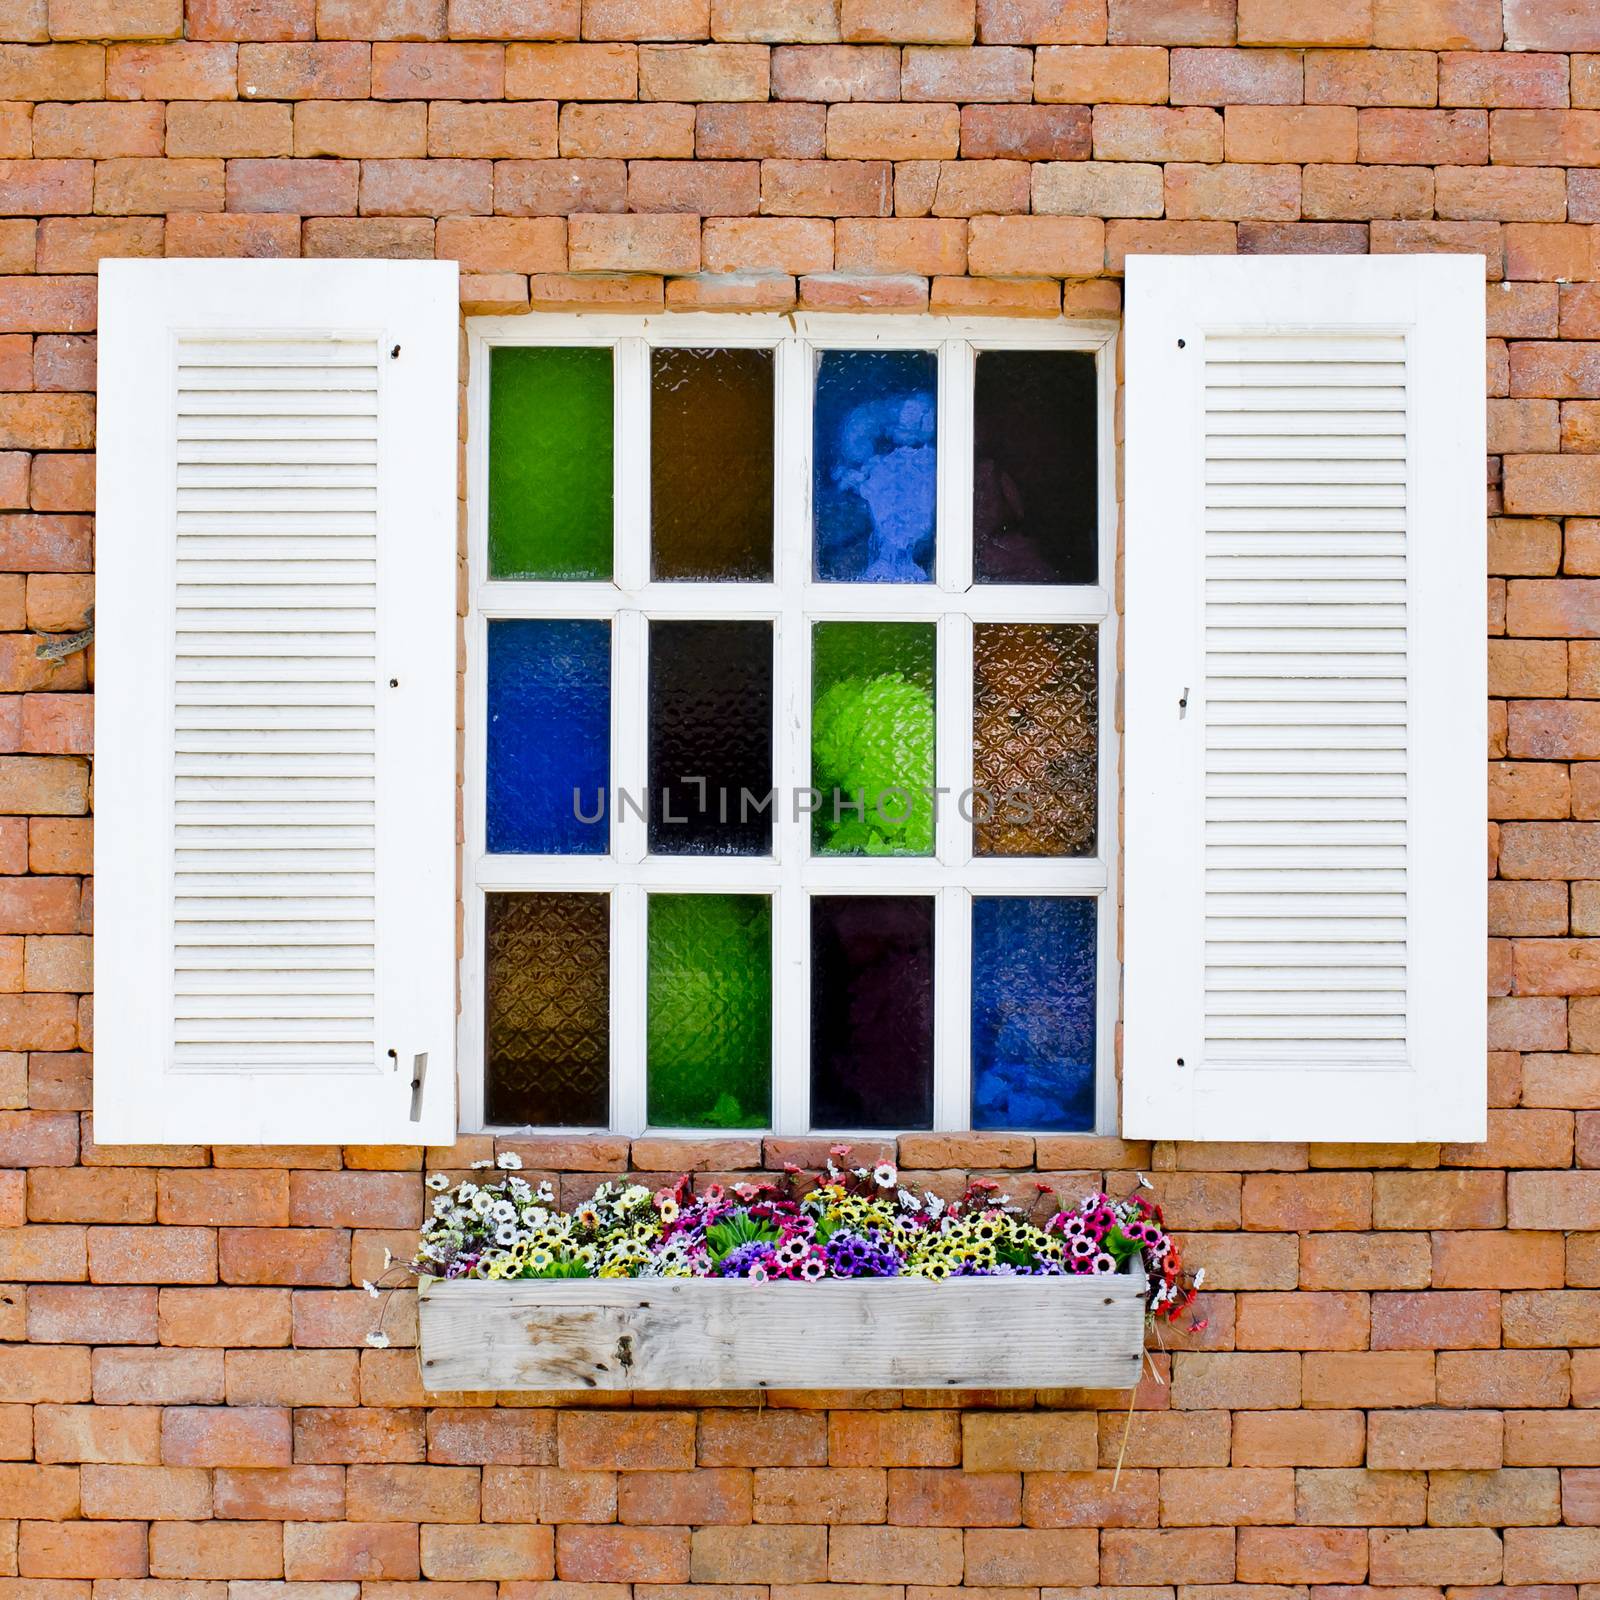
842, 1222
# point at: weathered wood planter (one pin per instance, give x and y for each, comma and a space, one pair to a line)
582, 1334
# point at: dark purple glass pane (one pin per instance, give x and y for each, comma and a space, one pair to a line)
710, 738
872, 1011
1035, 475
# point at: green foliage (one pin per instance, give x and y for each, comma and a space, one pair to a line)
564, 1269
871, 738
736, 1229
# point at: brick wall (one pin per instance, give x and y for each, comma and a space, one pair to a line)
1400, 1343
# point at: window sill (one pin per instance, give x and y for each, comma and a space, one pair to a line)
663, 1334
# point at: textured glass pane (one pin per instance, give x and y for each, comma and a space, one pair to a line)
1033, 1012
872, 738
711, 465
549, 763
1035, 467
549, 463
1034, 709
874, 481
710, 1011
548, 993
872, 1011
710, 738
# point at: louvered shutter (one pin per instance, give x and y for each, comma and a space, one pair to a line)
275, 702
1305, 920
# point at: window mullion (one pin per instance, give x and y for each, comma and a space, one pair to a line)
791, 1008
952, 991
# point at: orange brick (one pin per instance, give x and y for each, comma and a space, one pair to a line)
280, 1494
893, 133
1028, 246
1091, 1499
1233, 191
438, 71
1201, 1497
1092, 75
255, 1436
719, 1555
1424, 138
328, 1552
1342, 1379
1302, 1321
1290, 133
145, 1493
762, 1438
179, 71
907, 22
1302, 1555
944, 1499
1157, 133
1456, 1440
990, 1442
1460, 1319
1169, 22
98, 1550
1435, 1555
767, 130
1335, 192
1003, 1557
1166, 1439
1299, 1439
1493, 1498
1142, 1557
1235, 1380
545, 1494
634, 244
1283, 22
1503, 1378
468, 1554
610, 1555
324, 71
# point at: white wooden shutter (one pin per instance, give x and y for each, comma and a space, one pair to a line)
275, 702
1305, 916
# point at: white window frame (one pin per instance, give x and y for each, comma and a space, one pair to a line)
792, 603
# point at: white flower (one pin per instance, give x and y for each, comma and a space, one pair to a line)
370, 1287
508, 1161
506, 1234
378, 1339
466, 1192
1144, 1182
441, 1205
885, 1175
482, 1203
438, 1180
503, 1211
1199, 1276
477, 1166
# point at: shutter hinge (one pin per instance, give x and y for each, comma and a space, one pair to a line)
1183, 702
419, 1074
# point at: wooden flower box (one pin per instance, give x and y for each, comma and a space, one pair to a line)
700, 1333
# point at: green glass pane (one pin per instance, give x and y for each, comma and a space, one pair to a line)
872, 738
710, 1011
550, 463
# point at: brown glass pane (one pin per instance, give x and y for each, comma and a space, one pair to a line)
711, 465
1034, 738
548, 1013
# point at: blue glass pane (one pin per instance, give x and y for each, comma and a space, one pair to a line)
874, 488
549, 737
1033, 1012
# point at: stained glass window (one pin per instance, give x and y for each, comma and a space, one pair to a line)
550, 462
788, 725
872, 737
549, 740
875, 465
711, 464
548, 1009
1033, 1011
710, 1011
